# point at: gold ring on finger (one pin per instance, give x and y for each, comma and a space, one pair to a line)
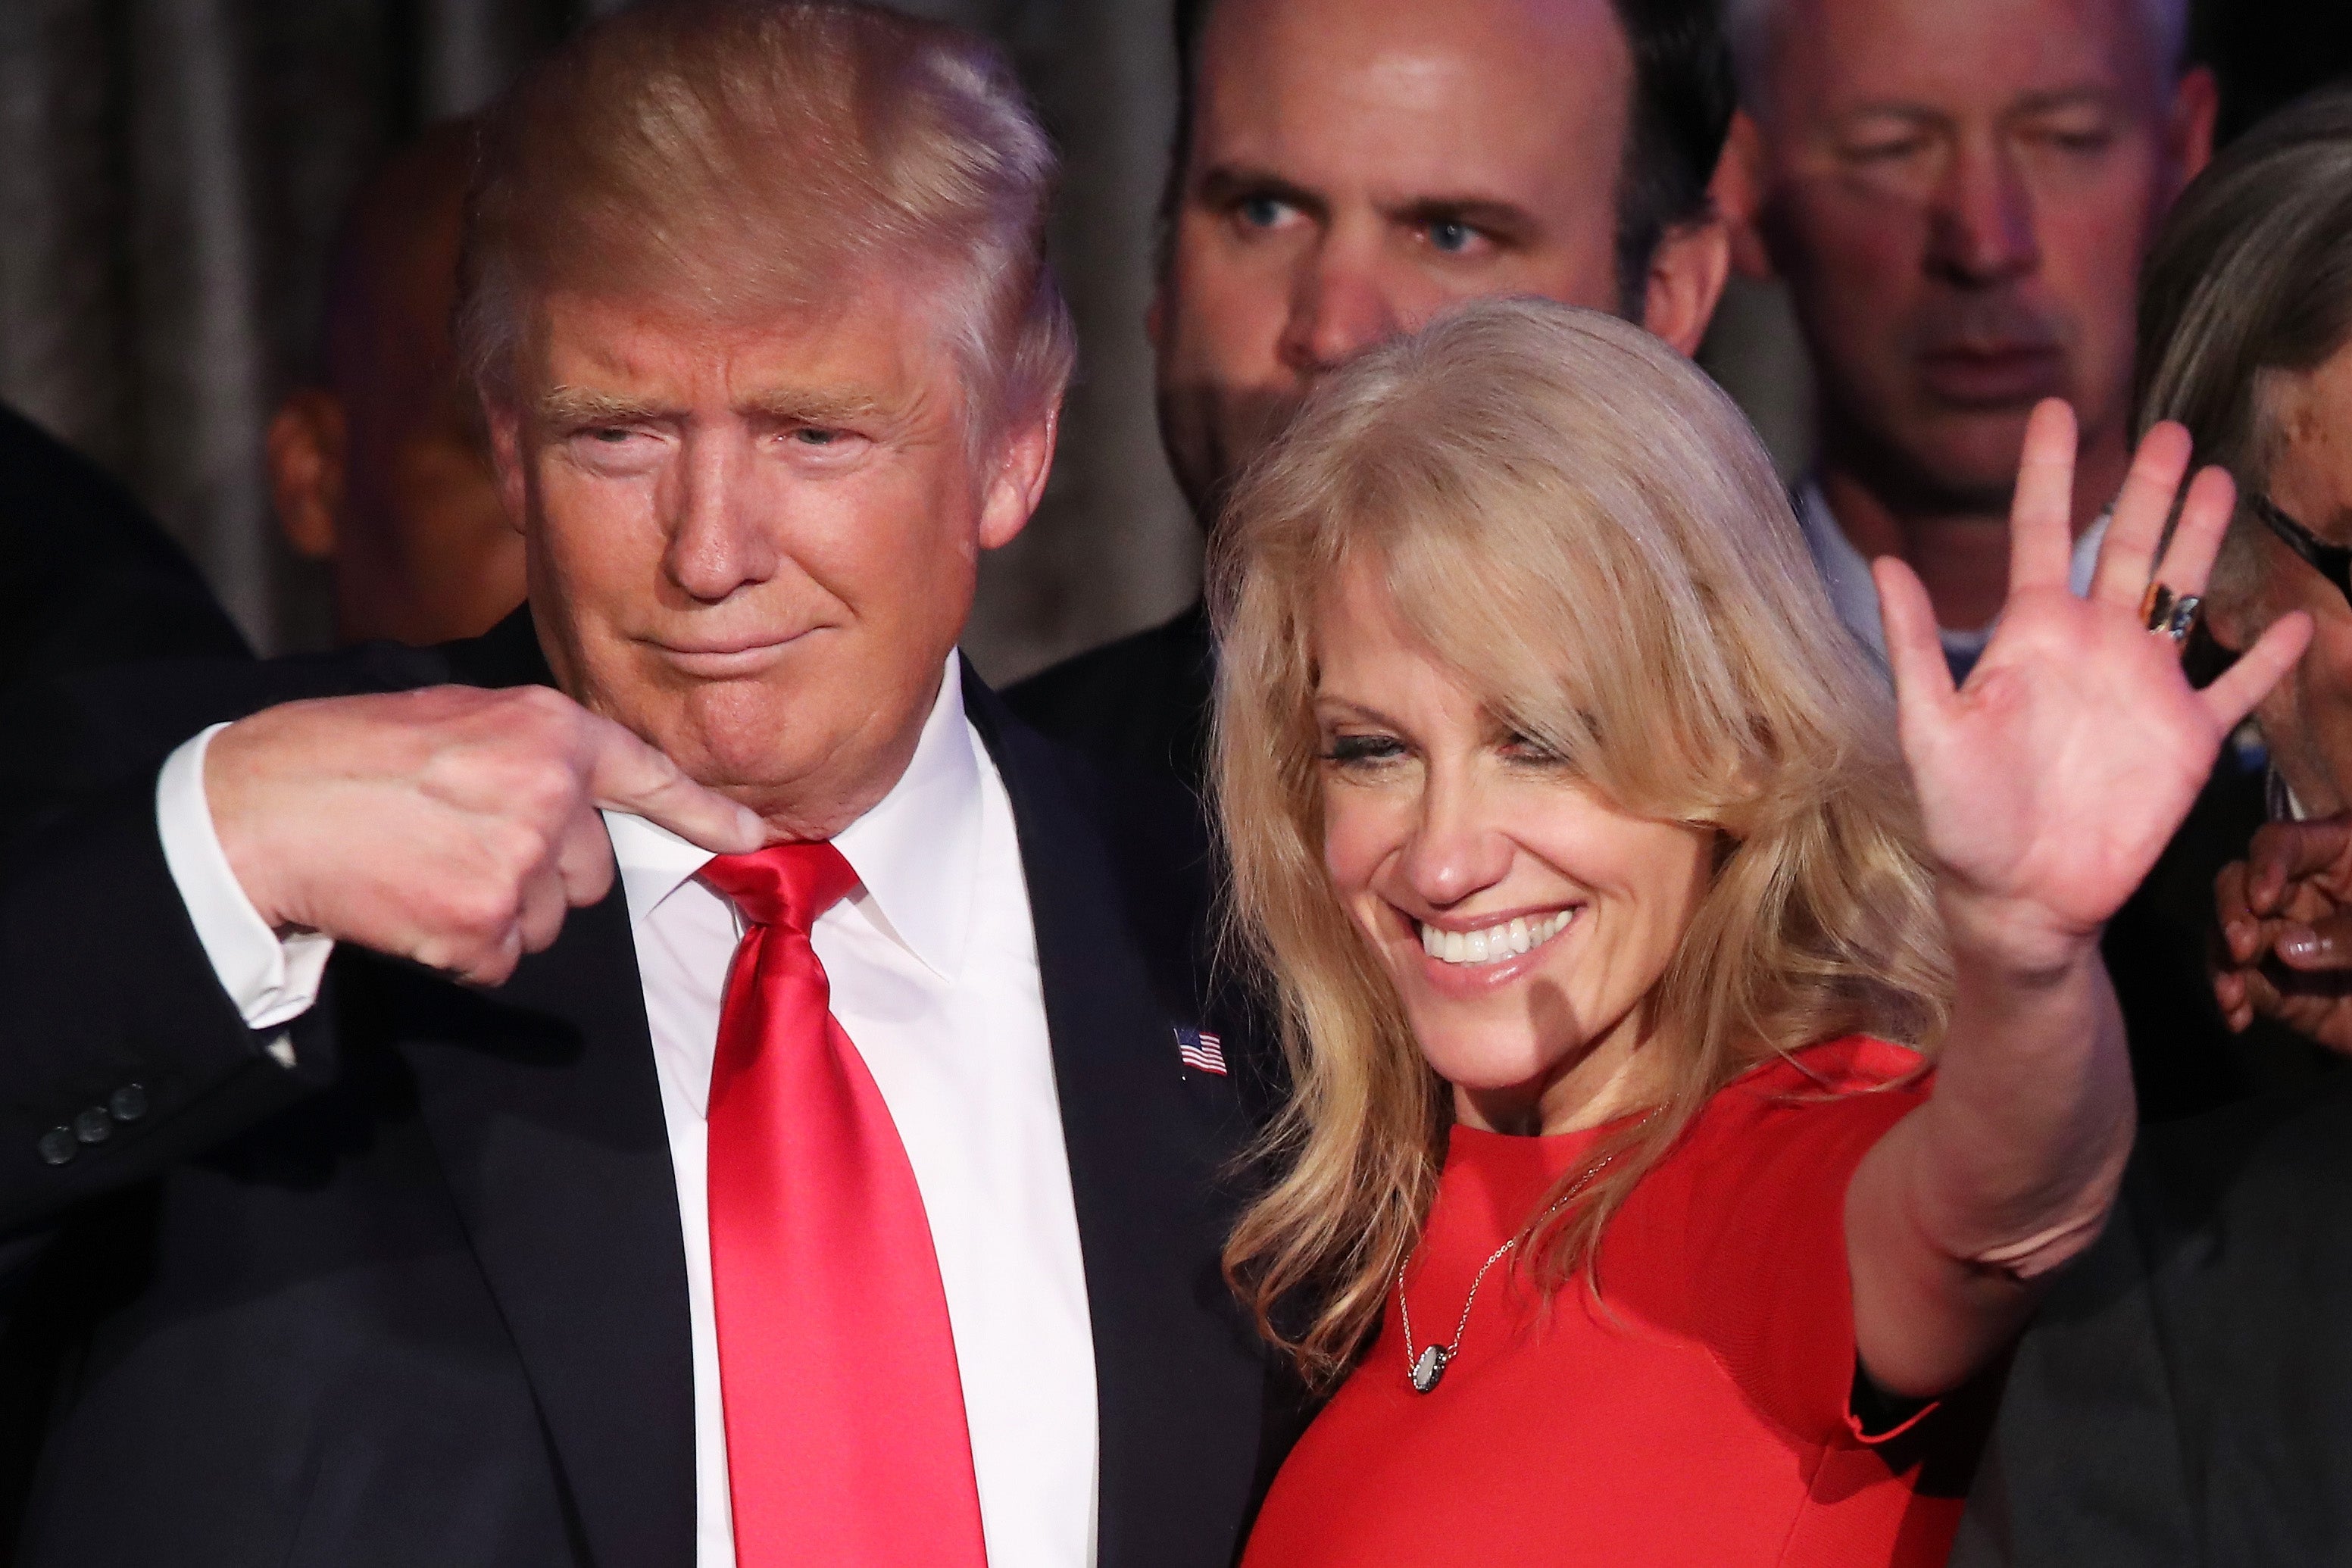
2170, 615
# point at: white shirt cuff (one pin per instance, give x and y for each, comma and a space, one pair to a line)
272, 980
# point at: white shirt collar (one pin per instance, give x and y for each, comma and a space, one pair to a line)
916, 851
1854, 596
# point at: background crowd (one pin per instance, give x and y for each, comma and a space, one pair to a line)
1893, 228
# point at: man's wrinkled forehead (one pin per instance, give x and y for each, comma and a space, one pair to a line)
873, 353
1830, 58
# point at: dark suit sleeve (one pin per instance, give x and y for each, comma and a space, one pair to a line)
122, 1051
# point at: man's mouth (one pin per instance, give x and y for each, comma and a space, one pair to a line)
719, 658
1994, 375
1493, 944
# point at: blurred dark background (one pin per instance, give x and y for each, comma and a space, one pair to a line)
173, 170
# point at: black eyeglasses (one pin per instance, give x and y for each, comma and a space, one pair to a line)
2333, 561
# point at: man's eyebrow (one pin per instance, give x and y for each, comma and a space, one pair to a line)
1504, 220
1892, 109
2065, 98
811, 405
585, 405
1230, 183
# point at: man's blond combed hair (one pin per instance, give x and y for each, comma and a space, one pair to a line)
732, 159
1583, 527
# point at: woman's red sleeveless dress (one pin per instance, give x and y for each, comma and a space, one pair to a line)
1700, 1413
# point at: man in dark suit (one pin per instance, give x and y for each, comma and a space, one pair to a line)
87, 578
2182, 1398
382, 1191
1560, 148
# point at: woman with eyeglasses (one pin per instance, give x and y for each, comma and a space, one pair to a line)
1692, 1088
2186, 1397
2246, 338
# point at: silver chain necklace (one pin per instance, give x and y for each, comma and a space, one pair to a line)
1425, 1369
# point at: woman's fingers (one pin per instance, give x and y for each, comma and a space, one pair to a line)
2197, 539
2042, 517
2136, 527
2245, 683
1923, 679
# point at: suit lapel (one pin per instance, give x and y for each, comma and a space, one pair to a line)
543, 1106
1179, 1379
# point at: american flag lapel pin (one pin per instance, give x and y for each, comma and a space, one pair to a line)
1200, 1050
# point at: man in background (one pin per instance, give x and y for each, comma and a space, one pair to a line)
87, 577
1958, 198
1346, 169
383, 469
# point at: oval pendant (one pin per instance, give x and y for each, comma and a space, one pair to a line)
1429, 1368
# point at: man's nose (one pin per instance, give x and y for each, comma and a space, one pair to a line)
716, 541
1982, 223
1340, 305
1456, 849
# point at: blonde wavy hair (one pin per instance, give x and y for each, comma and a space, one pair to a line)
1585, 530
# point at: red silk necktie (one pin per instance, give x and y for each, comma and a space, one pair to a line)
845, 1436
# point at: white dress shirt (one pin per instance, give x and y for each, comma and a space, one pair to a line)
1855, 596
933, 964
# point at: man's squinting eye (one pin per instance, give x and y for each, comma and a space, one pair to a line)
815, 435
1885, 149
610, 435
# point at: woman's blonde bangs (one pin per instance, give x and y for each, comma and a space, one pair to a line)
1584, 529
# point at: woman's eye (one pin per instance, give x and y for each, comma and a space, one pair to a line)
1355, 750
1526, 749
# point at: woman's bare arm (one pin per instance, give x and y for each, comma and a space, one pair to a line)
2048, 784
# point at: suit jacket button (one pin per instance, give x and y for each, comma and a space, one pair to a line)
129, 1103
58, 1146
94, 1125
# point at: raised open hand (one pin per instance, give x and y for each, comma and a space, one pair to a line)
2050, 782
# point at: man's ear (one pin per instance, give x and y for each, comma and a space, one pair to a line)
308, 449
1687, 277
2188, 129
505, 424
1024, 456
1738, 189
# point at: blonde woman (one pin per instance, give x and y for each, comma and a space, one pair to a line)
1615, 936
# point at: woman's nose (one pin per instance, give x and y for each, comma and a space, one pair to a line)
1456, 849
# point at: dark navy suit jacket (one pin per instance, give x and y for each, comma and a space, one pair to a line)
422, 1298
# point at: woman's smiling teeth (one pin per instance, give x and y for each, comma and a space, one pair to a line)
1494, 943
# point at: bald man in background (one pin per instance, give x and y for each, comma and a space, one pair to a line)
1343, 171
1959, 197
382, 470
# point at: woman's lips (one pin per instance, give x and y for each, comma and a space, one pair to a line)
1450, 966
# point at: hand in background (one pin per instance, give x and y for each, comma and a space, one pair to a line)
2286, 913
452, 826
